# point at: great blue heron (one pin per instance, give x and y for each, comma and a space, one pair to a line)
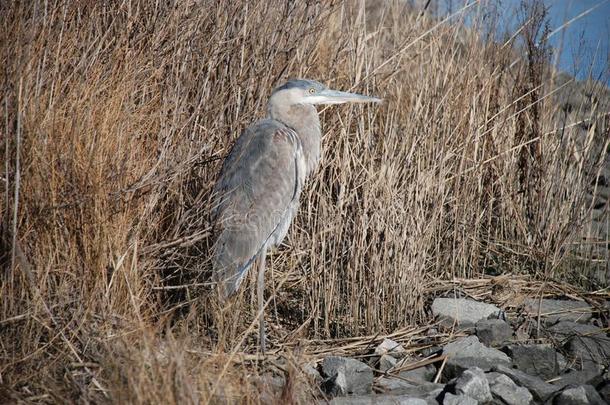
257, 191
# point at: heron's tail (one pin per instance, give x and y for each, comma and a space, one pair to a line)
230, 277
234, 253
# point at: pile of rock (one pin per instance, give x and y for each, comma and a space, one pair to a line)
498, 363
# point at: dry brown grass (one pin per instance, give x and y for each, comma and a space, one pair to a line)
115, 118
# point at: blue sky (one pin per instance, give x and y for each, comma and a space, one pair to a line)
581, 48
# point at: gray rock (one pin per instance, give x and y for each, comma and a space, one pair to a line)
395, 386
462, 312
386, 362
337, 385
564, 330
431, 351
425, 373
343, 376
553, 311
572, 396
312, 373
540, 360
413, 401
468, 352
594, 348
493, 331
540, 390
590, 374
376, 400
584, 342
593, 396
604, 391
473, 383
562, 363
389, 383
505, 389
410, 401
451, 399
492, 376
421, 389
432, 397
388, 346
581, 395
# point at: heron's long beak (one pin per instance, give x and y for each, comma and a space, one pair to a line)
339, 97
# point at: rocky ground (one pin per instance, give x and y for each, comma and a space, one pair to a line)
551, 351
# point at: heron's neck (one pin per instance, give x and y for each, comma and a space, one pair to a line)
304, 120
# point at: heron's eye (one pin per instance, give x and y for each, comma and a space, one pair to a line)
312, 90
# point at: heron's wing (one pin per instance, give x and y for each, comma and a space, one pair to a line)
257, 183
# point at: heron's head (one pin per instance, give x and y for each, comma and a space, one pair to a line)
304, 91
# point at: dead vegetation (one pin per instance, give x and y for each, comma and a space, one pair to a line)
116, 116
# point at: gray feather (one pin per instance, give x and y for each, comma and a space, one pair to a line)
255, 190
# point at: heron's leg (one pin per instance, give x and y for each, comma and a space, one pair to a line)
260, 287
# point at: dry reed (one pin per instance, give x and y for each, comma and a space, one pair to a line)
115, 119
